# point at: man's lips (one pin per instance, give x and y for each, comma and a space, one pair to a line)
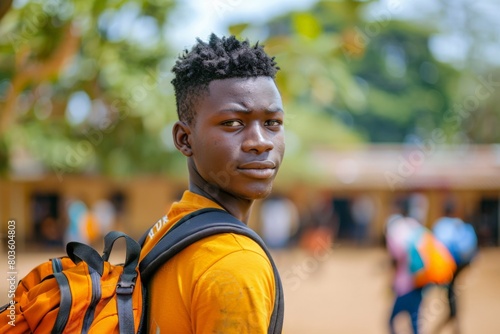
258, 169
265, 164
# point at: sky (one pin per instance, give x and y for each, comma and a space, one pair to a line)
199, 18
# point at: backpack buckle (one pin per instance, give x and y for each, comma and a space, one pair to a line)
125, 288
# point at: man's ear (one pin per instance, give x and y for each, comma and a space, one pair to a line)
181, 133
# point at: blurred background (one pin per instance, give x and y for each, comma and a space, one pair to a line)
385, 101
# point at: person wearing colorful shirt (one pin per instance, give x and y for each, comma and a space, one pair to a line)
230, 129
400, 233
460, 239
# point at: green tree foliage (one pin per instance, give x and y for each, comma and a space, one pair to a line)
406, 89
375, 77
83, 85
378, 79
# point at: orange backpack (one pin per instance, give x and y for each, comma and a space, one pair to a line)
84, 293
78, 293
430, 261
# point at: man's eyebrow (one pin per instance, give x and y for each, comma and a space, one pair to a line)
246, 110
272, 110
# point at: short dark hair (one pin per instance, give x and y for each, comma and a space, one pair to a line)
220, 58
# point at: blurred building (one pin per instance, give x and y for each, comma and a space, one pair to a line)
372, 176
427, 176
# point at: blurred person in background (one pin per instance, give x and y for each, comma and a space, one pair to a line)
280, 220
420, 261
400, 232
461, 240
82, 224
76, 212
105, 216
362, 210
320, 226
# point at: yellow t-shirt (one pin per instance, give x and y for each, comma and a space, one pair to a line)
221, 284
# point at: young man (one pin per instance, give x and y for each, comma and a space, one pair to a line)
230, 129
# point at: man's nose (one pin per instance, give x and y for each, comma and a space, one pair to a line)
257, 139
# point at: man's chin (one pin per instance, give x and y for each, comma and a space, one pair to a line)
260, 194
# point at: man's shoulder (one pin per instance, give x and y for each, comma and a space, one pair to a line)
225, 252
221, 245
233, 254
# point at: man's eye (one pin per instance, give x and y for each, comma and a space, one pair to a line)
274, 122
232, 123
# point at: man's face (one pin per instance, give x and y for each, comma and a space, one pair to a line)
237, 138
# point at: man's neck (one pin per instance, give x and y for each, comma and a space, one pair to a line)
238, 207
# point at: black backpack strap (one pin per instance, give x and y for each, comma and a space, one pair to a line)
201, 224
125, 287
65, 303
126, 284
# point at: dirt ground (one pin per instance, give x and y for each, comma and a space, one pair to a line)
346, 290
